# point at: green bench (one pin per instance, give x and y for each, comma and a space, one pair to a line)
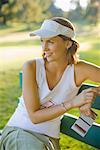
93, 136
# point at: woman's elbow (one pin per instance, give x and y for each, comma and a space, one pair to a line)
34, 118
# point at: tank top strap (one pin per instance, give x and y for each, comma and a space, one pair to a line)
72, 77
39, 70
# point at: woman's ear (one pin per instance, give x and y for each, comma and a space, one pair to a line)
68, 44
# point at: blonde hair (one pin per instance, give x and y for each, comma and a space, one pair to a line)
72, 56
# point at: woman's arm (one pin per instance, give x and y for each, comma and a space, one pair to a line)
29, 87
86, 71
92, 72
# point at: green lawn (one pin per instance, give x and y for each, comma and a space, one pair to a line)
21, 43
9, 83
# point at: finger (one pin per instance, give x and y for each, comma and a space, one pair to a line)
98, 90
90, 97
90, 94
89, 113
88, 101
86, 111
91, 90
86, 106
93, 116
94, 112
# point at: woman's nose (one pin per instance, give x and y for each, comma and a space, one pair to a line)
45, 46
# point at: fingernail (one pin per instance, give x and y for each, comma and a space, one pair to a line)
96, 114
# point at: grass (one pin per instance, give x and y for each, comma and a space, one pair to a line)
20, 43
9, 81
9, 92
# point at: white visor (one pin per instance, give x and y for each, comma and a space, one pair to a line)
51, 28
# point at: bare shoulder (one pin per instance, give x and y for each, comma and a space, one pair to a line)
29, 67
87, 70
86, 66
29, 64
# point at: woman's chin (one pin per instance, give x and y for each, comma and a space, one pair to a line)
49, 59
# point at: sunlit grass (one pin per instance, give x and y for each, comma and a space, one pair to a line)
20, 43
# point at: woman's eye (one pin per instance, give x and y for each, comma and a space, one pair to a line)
51, 42
41, 40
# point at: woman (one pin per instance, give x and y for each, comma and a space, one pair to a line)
49, 89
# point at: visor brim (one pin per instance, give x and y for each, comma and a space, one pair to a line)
43, 33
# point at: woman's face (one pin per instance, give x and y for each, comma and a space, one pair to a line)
54, 48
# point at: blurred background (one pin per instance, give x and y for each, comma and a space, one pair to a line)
17, 19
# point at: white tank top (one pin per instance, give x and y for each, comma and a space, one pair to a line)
64, 90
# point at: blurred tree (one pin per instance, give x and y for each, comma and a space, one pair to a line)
27, 10
93, 10
77, 13
2, 15
54, 11
2, 2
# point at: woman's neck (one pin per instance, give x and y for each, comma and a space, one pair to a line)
56, 66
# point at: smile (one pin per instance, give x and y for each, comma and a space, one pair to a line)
47, 54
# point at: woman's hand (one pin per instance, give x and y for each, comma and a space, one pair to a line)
86, 110
85, 97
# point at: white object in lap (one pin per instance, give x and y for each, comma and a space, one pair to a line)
82, 125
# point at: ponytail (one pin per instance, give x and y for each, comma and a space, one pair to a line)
72, 55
